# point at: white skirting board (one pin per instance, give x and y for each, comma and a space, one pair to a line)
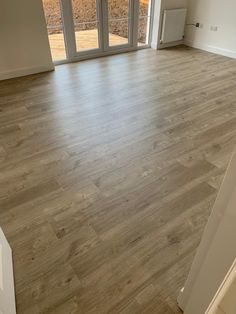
168, 45
24, 72
209, 48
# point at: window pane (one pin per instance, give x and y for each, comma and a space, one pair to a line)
118, 22
86, 36
143, 31
118, 9
84, 11
57, 44
144, 22
144, 7
86, 24
118, 32
52, 11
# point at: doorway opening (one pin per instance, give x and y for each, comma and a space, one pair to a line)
79, 29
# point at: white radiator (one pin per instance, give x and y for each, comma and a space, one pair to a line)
173, 25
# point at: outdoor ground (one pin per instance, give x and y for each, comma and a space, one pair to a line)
87, 39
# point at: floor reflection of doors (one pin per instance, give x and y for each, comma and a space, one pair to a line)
80, 29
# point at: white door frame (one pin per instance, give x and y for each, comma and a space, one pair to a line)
7, 292
216, 252
106, 27
91, 52
69, 33
223, 290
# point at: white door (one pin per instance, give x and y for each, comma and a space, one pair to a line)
103, 25
7, 294
217, 251
84, 29
118, 24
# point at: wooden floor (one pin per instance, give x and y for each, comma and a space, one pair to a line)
109, 170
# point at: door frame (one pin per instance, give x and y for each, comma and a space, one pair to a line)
75, 55
103, 50
216, 252
223, 290
131, 21
7, 290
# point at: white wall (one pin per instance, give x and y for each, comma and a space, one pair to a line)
24, 47
174, 4
160, 6
219, 13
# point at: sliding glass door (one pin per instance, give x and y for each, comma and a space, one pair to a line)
87, 25
119, 22
79, 29
102, 25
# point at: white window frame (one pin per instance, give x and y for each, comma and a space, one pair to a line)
102, 18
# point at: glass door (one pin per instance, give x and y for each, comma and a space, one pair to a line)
118, 20
79, 29
144, 22
87, 25
102, 25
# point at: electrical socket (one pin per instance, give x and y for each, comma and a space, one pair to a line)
199, 25
214, 28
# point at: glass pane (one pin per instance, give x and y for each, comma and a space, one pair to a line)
143, 31
144, 22
118, 22
57, 44
86, 24
118, 9
118, 32
52, 11
144, 7
86, 36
